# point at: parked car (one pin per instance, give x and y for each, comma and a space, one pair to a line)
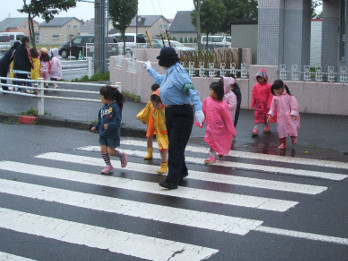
217, 40
80, 43
157, 43
5, 43
14, 36
132, 40
8, 38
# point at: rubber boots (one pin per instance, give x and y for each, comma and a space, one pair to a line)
164, 168
149, 154
282, 143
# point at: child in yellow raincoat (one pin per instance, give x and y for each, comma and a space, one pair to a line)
35, 71
144, 116
157, 125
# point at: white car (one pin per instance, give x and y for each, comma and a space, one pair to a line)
157, 43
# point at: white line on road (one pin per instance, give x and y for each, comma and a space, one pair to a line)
252, 155
184, 217
10, 257
304, 235
235, 180
247, 166
143, 186
115, 241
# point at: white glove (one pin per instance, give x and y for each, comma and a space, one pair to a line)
199, 117
147, 65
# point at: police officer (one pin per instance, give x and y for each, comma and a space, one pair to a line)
177, 92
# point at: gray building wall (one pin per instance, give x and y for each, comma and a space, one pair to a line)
270, 32
245, 36
315, 56
297, 32
331, 18
284, 32
335, 29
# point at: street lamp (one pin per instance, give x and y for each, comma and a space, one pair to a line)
137, 20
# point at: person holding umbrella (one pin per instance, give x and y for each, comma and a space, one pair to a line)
177, 92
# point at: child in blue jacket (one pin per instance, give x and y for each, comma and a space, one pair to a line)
109, 126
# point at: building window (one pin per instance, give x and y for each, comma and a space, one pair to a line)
24, 26
55, 37
75, 27
68, 26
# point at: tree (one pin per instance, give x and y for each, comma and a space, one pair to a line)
198, 4
121, 13
315, 13
239, 10
46, 9
211, 14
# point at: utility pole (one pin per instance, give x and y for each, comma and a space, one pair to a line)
99, 37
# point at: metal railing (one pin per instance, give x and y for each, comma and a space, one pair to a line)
313, 74
78, 65
211, 71
38, 91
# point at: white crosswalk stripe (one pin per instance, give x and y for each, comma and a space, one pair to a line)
9, 257
233, 180
183, 192
252, 155
246, 166
150, 247
98, 237
235, 225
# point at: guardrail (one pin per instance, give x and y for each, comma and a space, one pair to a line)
77, 65
39, 91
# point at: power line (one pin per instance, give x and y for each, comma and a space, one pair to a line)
153, 7
160, 7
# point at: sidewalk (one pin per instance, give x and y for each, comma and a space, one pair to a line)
317, 133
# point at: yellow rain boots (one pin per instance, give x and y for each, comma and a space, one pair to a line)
164, 168
149, 154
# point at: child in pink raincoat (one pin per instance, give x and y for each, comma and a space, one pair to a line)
220, 130
229, 97
44, 65
288, 113
260, 101
55, 67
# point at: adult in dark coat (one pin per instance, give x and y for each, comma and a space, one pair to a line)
5, 62
22, 61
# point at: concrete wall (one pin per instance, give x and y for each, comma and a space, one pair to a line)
313, 97
315, 57
332, 34
245, 36
284, 32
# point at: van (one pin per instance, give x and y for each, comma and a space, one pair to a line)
5, 43
14, 36
132, 40
8, 38
217, 40
78, 44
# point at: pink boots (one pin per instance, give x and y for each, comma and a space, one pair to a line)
109, 169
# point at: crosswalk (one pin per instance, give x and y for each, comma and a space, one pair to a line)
208, 203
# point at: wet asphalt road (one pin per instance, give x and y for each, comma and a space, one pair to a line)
322, 214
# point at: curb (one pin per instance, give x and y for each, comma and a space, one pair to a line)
26, 119
64, 123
